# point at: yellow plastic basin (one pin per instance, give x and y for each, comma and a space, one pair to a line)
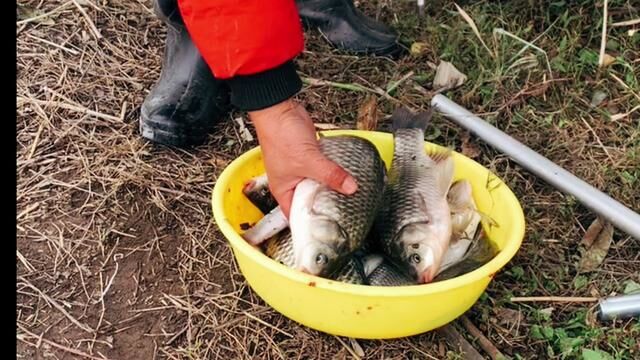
360, 311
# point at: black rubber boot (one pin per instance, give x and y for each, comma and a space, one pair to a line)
187, 101
347, 28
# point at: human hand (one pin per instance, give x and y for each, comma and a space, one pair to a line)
291, 153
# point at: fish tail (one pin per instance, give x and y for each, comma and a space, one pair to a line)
483, 250
487, 219
403, 118
371, 262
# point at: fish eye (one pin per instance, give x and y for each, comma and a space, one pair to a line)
321, 259
415, 258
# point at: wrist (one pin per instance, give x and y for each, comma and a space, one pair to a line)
270, 120
271, 112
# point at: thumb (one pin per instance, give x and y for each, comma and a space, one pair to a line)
332, 175
284, 201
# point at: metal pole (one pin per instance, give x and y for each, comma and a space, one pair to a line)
616, 213
619, 307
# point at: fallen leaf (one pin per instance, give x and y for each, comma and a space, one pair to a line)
418, 48
441, 349
592, 232
218, 162
608, 60
469, 149
326, 126
368, 115
595, 254
631, 287
548, 311
244, 132
447, 76
356, 347
508, 317
598, 97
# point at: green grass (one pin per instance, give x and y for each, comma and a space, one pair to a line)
548, 110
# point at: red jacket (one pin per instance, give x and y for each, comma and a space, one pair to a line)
250, 44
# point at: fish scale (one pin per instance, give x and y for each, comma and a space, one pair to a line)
351, 273
388, 275
353, 211
280, 249
415, 222
406, 176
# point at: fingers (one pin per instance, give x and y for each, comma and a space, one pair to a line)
332, 175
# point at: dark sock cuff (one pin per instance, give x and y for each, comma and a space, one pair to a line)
265, 89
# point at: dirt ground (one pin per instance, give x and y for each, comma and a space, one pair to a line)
117, 253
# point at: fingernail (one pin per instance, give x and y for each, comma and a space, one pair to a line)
349, 185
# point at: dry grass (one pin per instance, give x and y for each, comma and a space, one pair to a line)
118, 256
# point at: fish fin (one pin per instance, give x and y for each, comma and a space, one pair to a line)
455, 239
460, 196
424, 207
268, 226
462, 221
454, 254
371, 262
444, 167
487, 219
482, 250
403, 118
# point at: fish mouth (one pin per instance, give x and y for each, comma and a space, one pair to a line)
426, 276
249, 185
322, 273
